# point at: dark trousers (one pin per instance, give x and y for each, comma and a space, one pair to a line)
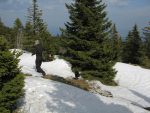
38, 63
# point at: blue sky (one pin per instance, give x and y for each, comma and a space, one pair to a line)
124, 13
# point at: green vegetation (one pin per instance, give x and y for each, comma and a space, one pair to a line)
116, 44
36, 29
132, 51
87, 42
11, 81
18, 33
147, 40
146, 47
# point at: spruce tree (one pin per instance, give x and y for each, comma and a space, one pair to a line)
36, 29
35, 18
7, 33
29, 38
86, 37
116, 43
147, 40
18, 25
18, 33
1, 26
132, 49
126, 53
11, 81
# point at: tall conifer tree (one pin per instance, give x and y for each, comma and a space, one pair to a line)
28, 39
86, 38
147, 40
116, 43
18, 33
35, 22
132, 50
35, 18
34, 26
36, 29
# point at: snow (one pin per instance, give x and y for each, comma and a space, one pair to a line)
46, 96
134, 78
57, 67
134, 85
128, 97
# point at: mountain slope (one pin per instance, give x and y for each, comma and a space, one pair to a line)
46, 96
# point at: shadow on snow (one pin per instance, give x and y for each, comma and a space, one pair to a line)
79, 101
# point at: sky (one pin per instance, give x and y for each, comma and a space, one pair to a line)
124, 13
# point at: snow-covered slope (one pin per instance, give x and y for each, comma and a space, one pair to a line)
45, 96
134, 78
134, 85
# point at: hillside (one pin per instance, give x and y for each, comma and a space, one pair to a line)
46, 96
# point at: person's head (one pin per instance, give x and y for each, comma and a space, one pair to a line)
37, 42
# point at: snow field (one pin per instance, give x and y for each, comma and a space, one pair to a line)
45, 96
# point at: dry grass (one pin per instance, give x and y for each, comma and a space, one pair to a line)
82, 84
17, 111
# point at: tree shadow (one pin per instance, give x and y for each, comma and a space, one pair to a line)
147, 99
67, 99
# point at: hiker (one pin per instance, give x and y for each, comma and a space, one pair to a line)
38, 50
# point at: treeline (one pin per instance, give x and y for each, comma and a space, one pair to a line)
23, 36
89, 41
136, 48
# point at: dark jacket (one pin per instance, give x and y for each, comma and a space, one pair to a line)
38, 50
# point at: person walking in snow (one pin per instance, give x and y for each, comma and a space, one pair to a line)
38, 50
